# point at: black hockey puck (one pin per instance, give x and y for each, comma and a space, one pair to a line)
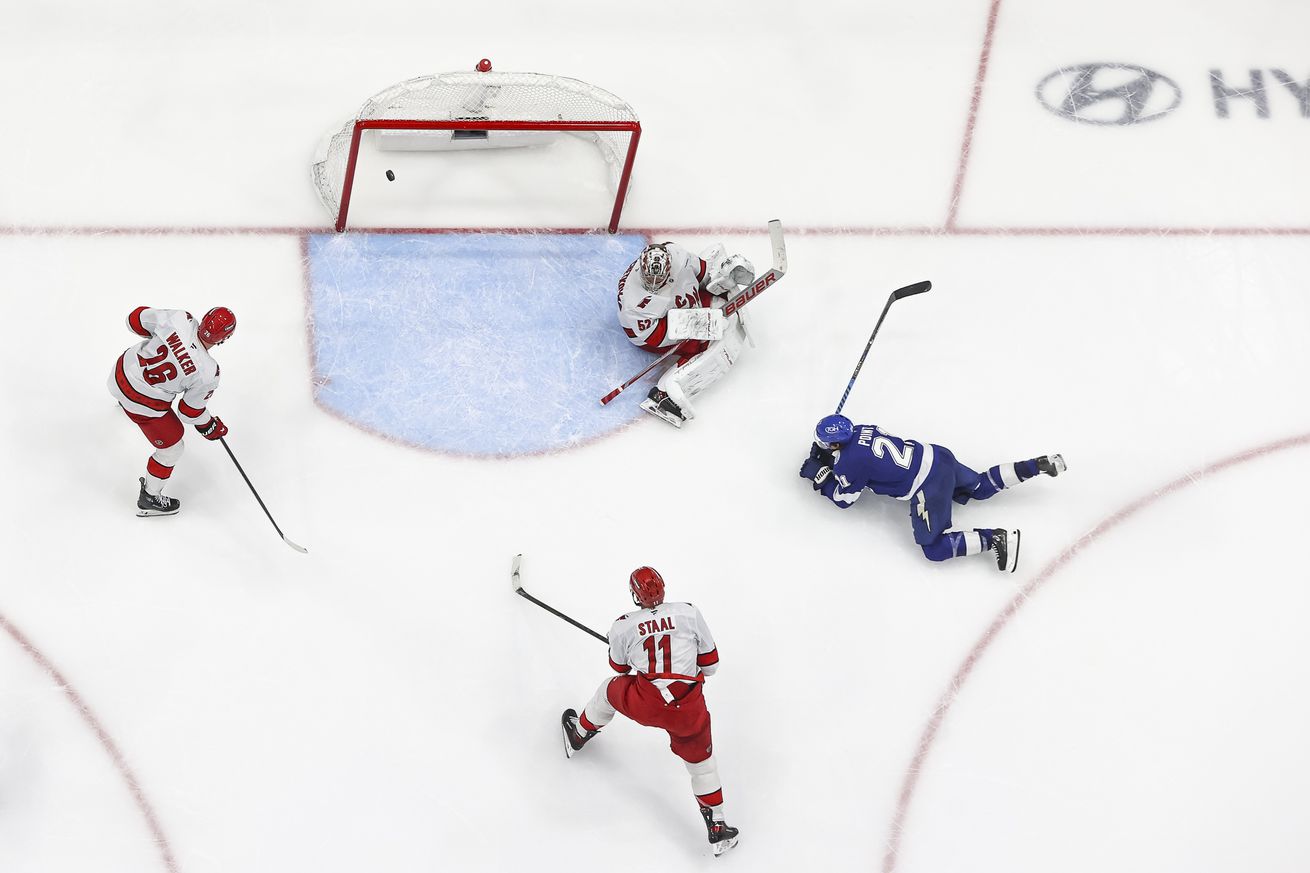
391, 177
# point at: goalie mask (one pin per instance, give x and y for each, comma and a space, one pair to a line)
656, 267
647, 587
833, 429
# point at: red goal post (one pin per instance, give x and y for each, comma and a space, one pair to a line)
483, 110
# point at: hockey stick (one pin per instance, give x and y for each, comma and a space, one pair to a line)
756, 288
907, 291
298, 548
518, 589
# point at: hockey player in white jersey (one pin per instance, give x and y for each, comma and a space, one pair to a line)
664, 651
670, 297
171, 362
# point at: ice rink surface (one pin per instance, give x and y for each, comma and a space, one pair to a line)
1110, 201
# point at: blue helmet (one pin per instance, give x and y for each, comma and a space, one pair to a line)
833, 429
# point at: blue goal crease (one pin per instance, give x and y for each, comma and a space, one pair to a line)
478, 343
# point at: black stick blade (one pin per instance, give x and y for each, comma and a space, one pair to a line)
911, 290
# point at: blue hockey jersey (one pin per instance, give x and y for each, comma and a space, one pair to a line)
876, 460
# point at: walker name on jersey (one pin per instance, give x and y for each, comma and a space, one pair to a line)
654, 626
179, 352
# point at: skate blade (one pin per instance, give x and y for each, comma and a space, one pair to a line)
654, 410
724, 845
153, 513
564, 732
1012, 554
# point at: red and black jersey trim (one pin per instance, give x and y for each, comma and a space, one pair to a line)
134, 321
189, 411
158, 470
700, 274
657, 335
707, 658
714, 798
619, 668
120, 378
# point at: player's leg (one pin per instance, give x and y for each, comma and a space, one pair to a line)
598, 712
671, 398
975, 486
691, 740
165, 434
930, 517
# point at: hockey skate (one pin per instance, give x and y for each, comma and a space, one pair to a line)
148, 504
1051, 465
722, 837
659, 404
1005, 545
574, 736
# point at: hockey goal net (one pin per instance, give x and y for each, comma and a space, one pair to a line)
481, 109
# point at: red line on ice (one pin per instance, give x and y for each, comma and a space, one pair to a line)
686, 230
975, 101
106, 742
989, 636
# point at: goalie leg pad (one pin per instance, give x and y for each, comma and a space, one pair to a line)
685, 381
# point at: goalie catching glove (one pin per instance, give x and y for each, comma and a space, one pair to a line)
725, 274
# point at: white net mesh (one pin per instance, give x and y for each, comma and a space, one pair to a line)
490, 96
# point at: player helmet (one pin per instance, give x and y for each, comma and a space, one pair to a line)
656, 267
833, 429
217, 325
647, 587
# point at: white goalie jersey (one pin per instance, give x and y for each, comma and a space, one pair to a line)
169, 362
696, 282
666, 644
643, 314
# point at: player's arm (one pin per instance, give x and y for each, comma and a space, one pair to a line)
192, 409
707, 653
618, 646
141, 320
821, 469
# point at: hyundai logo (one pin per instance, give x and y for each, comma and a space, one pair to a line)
1117, 94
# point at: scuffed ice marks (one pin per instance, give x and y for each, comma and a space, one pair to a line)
483, 344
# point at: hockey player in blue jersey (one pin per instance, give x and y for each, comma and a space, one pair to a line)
846, 458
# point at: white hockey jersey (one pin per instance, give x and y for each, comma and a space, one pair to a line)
171, 361
669, 644
642, 313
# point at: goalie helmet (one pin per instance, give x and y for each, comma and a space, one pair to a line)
656, 266
647, 587
833, 429
217, 325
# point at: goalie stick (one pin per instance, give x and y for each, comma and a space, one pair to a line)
518, 589
899, 293
755, 289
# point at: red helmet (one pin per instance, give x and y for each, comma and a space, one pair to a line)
217, 325
647, 587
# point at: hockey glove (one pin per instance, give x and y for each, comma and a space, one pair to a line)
822, 454
213, 429
816, 471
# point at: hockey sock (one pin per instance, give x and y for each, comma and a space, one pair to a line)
586, 724
154, 485
1003, 476
1026, 469
957, 544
